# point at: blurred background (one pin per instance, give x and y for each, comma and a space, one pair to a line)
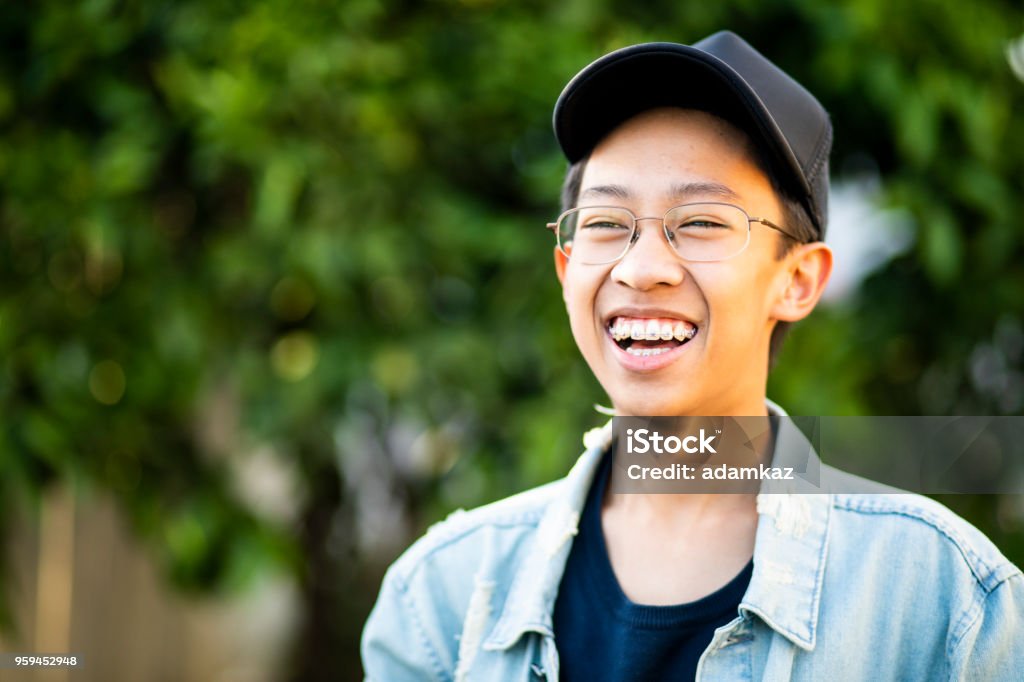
275, 292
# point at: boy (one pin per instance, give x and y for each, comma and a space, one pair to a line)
696, 201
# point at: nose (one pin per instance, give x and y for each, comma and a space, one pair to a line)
650, 260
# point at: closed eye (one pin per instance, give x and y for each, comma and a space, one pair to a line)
702, 224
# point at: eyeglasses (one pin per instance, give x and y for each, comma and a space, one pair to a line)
597, 235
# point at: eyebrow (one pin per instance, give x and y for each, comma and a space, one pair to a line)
617, 191
682, 190
687, 189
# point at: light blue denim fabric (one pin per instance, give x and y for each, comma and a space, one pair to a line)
864, 586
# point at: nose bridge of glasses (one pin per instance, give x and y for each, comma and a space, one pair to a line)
666, 236
662, 222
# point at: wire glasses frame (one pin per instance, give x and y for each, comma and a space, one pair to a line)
612, 237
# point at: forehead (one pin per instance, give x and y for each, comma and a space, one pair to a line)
665, 120
663, 149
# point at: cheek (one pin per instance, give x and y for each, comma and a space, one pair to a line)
571, 294
738, 298
579, 289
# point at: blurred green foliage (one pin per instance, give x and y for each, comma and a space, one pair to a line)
315, 230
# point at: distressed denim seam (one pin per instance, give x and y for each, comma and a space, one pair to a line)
978, 611
432, 655
970, 557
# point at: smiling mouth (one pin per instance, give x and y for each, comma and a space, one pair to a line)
644, 337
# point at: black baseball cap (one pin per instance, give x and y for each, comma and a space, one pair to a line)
723, 75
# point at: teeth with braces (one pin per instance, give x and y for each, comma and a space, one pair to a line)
651, 330
647, 352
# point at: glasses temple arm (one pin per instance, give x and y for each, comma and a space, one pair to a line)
775, 227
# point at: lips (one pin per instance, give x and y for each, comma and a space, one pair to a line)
649, 336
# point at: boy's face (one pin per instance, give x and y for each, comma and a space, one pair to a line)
657, 160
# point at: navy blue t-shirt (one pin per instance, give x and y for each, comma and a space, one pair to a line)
602, 635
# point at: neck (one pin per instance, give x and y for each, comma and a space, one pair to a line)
748, 406
680, 511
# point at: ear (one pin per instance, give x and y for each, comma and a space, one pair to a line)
808, 267
560, 264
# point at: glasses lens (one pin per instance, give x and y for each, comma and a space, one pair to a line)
707, 232
595, 234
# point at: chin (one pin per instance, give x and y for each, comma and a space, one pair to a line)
647, 407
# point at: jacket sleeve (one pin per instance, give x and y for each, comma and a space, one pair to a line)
395, 645
991, 647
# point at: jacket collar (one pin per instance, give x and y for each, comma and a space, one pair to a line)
789, 552
531, 599
791, 544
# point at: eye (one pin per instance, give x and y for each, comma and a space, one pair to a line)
702, 223
707, 222
605, 224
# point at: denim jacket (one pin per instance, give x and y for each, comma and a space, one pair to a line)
869, 586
